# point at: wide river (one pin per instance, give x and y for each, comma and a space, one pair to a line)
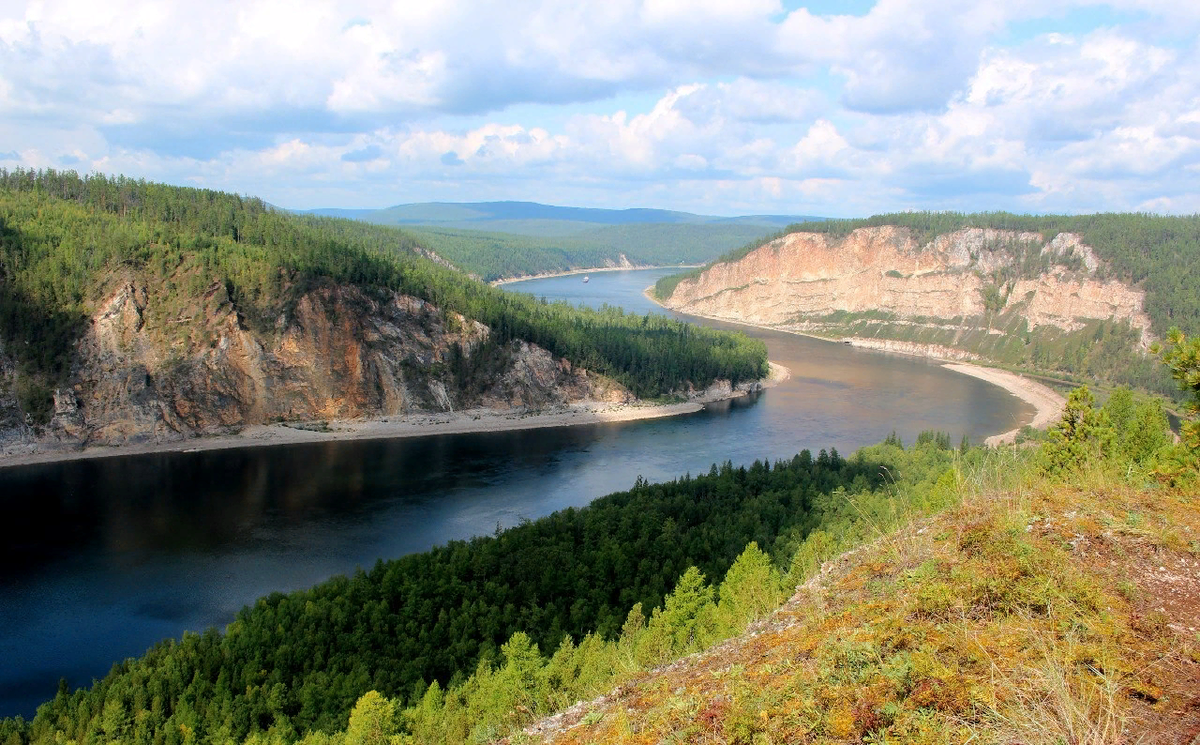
102, 558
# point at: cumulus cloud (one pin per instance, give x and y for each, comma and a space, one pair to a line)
724, 105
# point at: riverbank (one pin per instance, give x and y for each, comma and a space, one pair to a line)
414, 425
594, 270
1047, 403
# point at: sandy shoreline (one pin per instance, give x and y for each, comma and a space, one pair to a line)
402, 426
1047, 403
595, 270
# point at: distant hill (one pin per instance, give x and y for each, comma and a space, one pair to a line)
502, 240
493, 255
532, 218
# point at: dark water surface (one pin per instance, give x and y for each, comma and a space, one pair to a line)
102, 558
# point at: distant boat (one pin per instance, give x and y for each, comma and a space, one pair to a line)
586, 279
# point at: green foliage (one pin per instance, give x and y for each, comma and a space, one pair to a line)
751, 589
1182, 357
676, 628
1125, 432
939, 440
1140, 429
65, 239
1084, 434
372, 720
495, 255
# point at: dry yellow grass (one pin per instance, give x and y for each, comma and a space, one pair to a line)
1031, 613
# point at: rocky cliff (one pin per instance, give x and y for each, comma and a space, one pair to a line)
145, 370
879, 284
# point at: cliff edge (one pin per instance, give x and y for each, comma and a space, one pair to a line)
143, 373
975, 293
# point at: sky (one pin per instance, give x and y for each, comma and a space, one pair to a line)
838, 108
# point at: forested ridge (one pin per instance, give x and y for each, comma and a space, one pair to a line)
300, 661
65, 238
497, 255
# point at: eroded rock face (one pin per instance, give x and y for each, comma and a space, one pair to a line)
803, 277
143, 374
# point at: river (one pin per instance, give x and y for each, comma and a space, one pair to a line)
104, 557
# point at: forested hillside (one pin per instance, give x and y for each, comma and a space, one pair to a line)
499, 240
295, 663
65, 240
495, 255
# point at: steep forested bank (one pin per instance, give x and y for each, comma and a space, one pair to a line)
298, 662
67, 243
1071, 295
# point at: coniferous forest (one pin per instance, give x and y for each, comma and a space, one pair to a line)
298, 662
65, 238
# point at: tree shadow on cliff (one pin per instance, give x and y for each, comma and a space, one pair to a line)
37, 335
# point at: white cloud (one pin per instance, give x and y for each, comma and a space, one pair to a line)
918, 103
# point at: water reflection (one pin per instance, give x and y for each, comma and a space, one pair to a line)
103, 558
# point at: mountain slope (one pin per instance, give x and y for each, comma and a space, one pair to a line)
495, 255
505, 240
133, 311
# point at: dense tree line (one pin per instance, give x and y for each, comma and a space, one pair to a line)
495, 255
319, 666
65, 238
304, 658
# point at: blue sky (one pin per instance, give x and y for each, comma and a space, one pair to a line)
718, 106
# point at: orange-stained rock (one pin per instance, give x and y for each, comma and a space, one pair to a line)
142, 374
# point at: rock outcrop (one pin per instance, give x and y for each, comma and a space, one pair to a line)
812, 282
145, 370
